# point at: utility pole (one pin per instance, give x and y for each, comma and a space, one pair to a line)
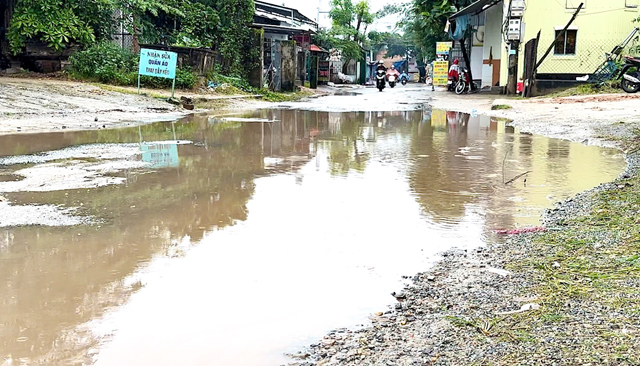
514, 35
320, 12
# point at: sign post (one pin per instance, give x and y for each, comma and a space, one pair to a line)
442, 49
157, 63
440, 73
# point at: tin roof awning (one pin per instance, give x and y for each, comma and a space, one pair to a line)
475, 8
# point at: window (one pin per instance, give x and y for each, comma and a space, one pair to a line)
566, 45
631, 4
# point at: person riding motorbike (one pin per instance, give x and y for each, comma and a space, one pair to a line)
392, 71
380, 77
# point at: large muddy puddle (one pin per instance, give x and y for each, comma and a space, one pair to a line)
230, 241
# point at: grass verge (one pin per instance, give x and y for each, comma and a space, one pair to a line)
586, 274
609, 87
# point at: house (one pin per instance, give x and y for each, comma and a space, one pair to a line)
282, 24
597, 29
287, 41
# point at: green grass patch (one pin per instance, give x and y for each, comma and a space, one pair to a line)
499, 107
585, 271
609, 87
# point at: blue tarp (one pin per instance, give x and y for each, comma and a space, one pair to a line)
400, 65
462, 23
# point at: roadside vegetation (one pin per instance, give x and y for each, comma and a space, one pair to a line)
609, 87
107, 63
500, 107
586, 273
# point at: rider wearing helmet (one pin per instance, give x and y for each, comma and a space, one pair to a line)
392, 71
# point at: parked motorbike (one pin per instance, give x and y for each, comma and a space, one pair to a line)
380, 79
458, 81
630, 75
392, 80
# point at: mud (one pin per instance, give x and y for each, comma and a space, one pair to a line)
38, 105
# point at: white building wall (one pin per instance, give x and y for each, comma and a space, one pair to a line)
493, 43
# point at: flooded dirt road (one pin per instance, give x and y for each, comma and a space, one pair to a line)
235, 241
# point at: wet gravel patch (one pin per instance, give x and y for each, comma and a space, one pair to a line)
78, 167
42, 215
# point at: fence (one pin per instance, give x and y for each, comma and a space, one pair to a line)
121, 37
582, 58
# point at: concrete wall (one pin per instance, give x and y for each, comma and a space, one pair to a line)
492, 47
476, 62
256, 76
289, 66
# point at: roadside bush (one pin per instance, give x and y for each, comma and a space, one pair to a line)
108, 63
185, 79
104, 62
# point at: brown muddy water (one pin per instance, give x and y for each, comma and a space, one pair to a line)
251, 239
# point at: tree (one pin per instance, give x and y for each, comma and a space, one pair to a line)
349, 27
57, 22
395, 43
220, 24
138, 15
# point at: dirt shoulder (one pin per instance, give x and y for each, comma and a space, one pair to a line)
42, 105
600, 119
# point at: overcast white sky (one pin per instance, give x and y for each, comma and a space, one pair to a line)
310, 9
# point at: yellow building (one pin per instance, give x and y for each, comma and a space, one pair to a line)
597, 29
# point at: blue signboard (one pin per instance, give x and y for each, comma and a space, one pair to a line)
160, 155
161, 64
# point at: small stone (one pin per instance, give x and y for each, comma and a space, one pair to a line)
555, 265
431, 278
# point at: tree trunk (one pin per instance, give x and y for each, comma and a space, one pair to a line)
345, 65
134, 38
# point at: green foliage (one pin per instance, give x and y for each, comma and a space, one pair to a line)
395, 43
104, 62
500, 106
198, 26
234, 36
219, 24
423, 22
55, 22
108, 63
349, 27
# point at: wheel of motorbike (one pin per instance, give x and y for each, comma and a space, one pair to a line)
404, 82
461, 87
630, 86
393, 85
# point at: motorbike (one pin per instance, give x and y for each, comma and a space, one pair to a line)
458, 81
404, 78
392, 80
630, 75
380, 79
